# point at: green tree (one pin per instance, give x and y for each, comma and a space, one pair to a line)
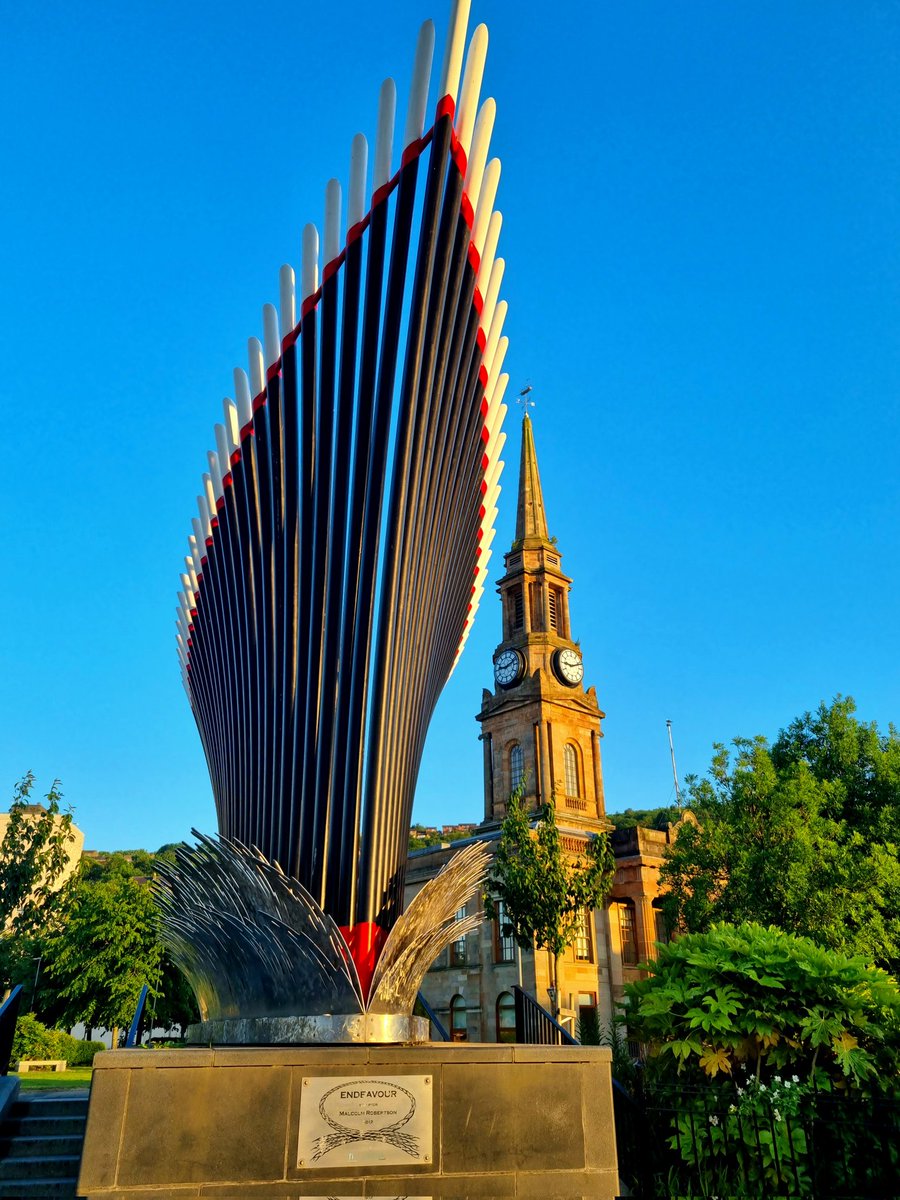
543, 888
106, 949
801, 834
33, 855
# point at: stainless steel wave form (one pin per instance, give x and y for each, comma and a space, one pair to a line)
253, 942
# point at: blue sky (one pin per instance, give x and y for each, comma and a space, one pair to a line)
701, 211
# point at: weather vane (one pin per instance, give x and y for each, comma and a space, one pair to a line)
525, 399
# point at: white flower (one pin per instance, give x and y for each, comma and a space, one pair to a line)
713, 1120
795, 1078
732, 1108
778, 1079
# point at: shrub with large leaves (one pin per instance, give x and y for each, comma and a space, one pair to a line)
769, 1003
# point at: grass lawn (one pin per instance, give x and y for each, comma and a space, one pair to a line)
78, 1077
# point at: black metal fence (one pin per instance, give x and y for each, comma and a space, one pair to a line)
535, 1026
9, 1014
709, 1142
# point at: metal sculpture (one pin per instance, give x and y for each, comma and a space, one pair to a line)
341, 549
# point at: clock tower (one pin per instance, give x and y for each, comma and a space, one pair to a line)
539, 723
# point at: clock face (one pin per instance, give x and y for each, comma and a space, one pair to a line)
569, 667
507, 667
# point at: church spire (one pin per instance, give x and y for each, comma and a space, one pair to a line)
531, 518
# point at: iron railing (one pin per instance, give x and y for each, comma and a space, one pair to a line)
693, 1142
134, 1031
436, 1024
9, 1014
535, 1026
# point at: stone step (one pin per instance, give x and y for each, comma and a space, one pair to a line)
40, 1189
30, 1145
50, 1106
51, 1166
29, 1126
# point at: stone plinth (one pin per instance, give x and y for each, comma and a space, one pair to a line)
505, 1121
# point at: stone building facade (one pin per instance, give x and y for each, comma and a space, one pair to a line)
541, 729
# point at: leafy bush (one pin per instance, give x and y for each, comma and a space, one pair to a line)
746, 995
83, 1055
760, 1045
33, 1040
588, 1027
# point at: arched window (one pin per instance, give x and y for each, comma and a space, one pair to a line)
516, 766
506, 1017
573, 778
459, 1028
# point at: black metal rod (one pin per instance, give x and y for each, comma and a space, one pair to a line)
357, 615
319, 824
334, 662
374, 833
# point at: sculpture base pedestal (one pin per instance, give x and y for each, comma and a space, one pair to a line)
280, 1031
439, 1121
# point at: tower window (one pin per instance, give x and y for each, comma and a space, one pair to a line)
459, 1030
516, 766
515, 609
627, 935
504, 946
458, 948
570, 760
534, 607
583, 941
556, 614
506, 1017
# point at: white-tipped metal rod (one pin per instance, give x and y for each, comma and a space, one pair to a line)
288, 550
356, 193
226, 621
307, 438
255, 827
369, 893
319, 828
395, 683
453, 49
477, 161
287, 300
489, 308
485, 207
470, 91
271, 336
446, 483
218, 575
334, 653
356, 615
256, 364
487, 259
231, 527
300, 816
418, 91
232, 427
245, 485
207, 632
446, 573
275, 409
490, 348
384, 136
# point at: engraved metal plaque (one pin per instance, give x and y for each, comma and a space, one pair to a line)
357, 1121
